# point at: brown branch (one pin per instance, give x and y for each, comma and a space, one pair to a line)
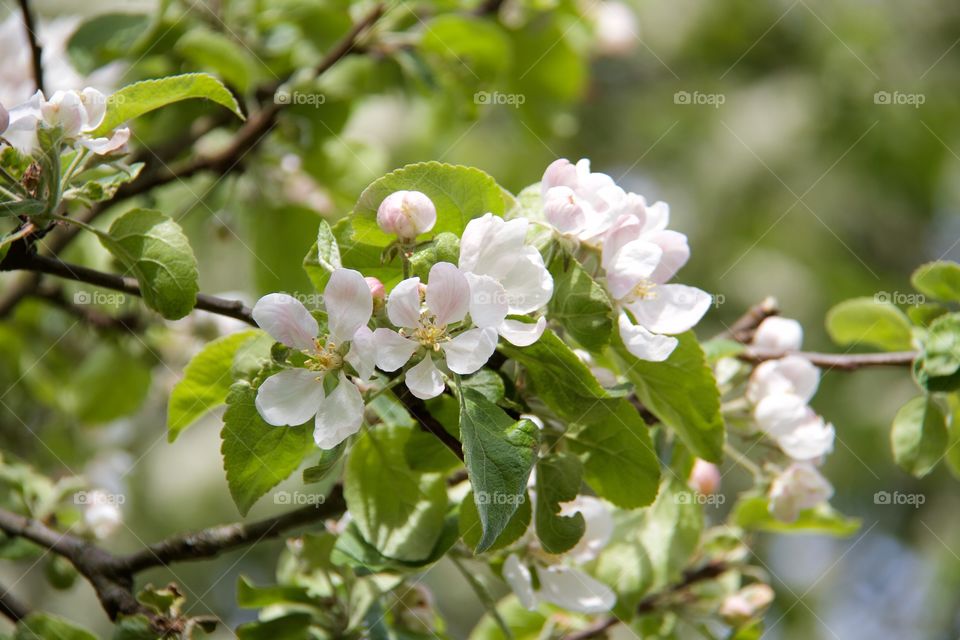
418, 409
36, 53
743, 328
838, 361
10, 607
54, 295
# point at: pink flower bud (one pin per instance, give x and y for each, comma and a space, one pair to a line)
377, 290
704, 477
406, 214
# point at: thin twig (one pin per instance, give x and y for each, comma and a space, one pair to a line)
10, 607
743, 328
835, 361
36, 53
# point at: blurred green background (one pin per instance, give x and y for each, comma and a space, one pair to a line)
810, 150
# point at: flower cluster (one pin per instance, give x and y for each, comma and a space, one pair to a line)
779, 392
75, 114
638, 254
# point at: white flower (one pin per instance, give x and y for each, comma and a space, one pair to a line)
505, 273
406, 214
792, 375
616, 28
778, 334
295, 395
78, 114
578, 202
799, 487
599, 527
563, 586
101, 514
433, 324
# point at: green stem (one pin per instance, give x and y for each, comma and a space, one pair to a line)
485, 598
742, 460
390, 385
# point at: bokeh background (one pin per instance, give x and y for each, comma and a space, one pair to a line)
810, 150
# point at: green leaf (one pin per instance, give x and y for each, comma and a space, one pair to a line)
219, 53
754, 513
110, 383
46, 626
325, 464
256, 455
867, 321
135, 627
445, 247
682, 393
105, 38
397, 511
155, 250
205, 383
558, 480
292, 626
919, 435
671, 531
625, 568
499, 453
471, 529
279, 231
941, 347
134, 100
352, 550
250, 596
580, 304
939, 280
323, 258
523, 623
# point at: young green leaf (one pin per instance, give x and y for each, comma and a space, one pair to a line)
205, 383
47, 626
499, 453
671, 531
870, 322
939, 280
257, 456
753, 513
558, 480
134, 100
212, 50
580, 304
323, 257
625, 568
919, 435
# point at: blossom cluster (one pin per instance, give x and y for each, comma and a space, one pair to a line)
639, 255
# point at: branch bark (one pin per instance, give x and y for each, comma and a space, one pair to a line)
36, 52
837, 361
11, 607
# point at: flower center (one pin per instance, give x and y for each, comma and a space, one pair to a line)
429, 333
645, 290
325, 357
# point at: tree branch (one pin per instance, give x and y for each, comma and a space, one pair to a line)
838, 361
36, 53
743, 328
10, 607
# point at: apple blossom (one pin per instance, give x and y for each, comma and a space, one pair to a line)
578, 202
506, 273
294, 395
704, 477
778, 334
746, 603
797, 488
433, 324
406, 214
101, 513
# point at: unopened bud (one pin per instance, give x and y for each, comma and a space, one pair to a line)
747, 603
704, 477
406, 214
377, 290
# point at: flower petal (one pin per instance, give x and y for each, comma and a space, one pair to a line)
286, 320
574, 590
643, 344
340, 415
676, 252
363, 352
673, 309
448, 293
808, 440
393, 350
599, 527
349, 304
790, 374
520, 580
403, 304
470, 350
633, 264
490, 245
528, 284
424, 379
488, 300
103, 146
522, 334
781, 413
289, 398
779, 334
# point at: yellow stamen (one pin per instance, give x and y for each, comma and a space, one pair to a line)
325, 357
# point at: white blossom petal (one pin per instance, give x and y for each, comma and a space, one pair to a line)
393, 350
340, 415
470, 350
349, 304
490, 245
658, 217
448, 293
676, 252
809, 440
528, 283
403, 304
563, 211
643, 344
289, 398
522, 334
779, 334
488, 301
632, 265
363, 352
103, 146
781, 413
599, 527
286, 320
673, 309
790, 374
424, 379
95, 107
799, 487
574, 590
519, 578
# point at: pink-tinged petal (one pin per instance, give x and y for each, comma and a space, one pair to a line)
488, 301
349, 304
393, 350
643, 344
522, 334
809, 440
632, 265
340, 415
673, 309
403, 304
470, 350
448, 293
799, 487
103, 146
791, 374
363, 353
574, 590
490, 245
779, 334
286, 320
563, 211
424, 379
289, 398
520, 579
95, 107
676, 252
658, 216
779, 414
528, 284
626, 228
